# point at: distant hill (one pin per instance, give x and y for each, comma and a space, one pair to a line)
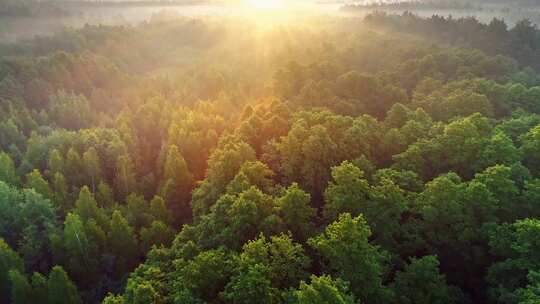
29, 8
417, 5
436, 4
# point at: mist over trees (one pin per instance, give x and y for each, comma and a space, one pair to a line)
385, 159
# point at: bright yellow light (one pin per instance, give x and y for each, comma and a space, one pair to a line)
265, 4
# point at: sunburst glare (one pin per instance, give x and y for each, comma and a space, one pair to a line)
265, 4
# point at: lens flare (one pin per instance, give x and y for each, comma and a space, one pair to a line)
265, 4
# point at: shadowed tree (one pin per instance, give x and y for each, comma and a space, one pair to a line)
122, 244
92, 168
21, 291
61, 289
124, 179
9, 260
177, 184
421, 283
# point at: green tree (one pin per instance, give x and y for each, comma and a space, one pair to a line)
516, 247
499, 180
223, 166
397, 116
421, 283
61, 290
92, 168
406, 180
347, 193
530, 198
158, 233
349, 255
458, 145
453, 214
69, 111
86, 205
81, 262
322, 290
319, 153
252, 174
61, 195
124, 180
21, 291
203, 277
500, 150
159, 211
385, 213
148, 279
35, 180
122, 244
531, 293
112, 299
285, 261
137, 212
104, 195
11, 135
249, 214
531, 149
8, 173
39, 287
252, 284
9, 260
296, 212
177, 183
55, 163
73, 167
144, 293
36, 219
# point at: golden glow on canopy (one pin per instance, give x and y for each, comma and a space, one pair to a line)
265, 4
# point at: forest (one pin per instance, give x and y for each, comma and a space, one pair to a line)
298, 159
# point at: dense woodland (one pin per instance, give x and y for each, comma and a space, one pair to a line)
328, 160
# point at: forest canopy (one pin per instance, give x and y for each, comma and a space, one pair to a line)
386, 159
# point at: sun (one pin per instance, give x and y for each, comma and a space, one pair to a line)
265, 4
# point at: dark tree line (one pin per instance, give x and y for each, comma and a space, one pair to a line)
521, 42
